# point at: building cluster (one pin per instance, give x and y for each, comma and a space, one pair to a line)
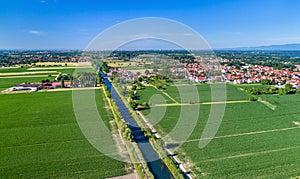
21, 58
204, 71
246, 74
38, 86
123, 74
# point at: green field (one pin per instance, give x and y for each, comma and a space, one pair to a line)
202, 92
253, 140
145, 95
9, 80
40, 138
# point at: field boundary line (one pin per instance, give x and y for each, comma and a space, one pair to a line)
70, 89
166, 94
251, 154
26, 73
244, 134
41, 143
226, 102
25, 76
266, 103
204, 103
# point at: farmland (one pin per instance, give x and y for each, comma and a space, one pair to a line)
253, 141
12, 76
40, 138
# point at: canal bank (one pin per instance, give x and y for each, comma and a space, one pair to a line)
155, 164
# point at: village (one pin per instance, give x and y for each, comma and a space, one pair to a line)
247, 74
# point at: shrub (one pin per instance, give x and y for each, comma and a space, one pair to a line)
253, 98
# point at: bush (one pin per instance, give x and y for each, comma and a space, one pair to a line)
133, 104
253, 98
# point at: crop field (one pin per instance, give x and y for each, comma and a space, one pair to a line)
72, 64
203, 93
40, 138
37, 70
253, 141
121, 63
145, 95
12, 76
10, 82
205, 90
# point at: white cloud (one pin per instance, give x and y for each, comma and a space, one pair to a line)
35, 32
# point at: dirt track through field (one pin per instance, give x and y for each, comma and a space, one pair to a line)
42, 143
26, 73
166, 94
206, 103
25, 76
244, 134
266, 103
70, 89
251, 154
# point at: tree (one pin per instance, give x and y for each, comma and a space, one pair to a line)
266, 82
127, 134
253, 98
62, 83
281, 91
147, 72
131, 94
288, 88
139, 85
46, 81
159, 86
145, 105
140, 79
155, 70
105, 67
133, 104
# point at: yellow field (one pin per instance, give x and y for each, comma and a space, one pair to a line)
121, 64
69, 64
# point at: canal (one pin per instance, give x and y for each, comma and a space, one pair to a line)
155, 165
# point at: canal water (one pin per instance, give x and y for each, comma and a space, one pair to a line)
156, 166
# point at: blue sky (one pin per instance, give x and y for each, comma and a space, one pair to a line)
66, 24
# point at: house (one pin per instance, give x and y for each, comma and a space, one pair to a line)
58, 84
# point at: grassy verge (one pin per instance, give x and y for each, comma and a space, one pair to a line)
156, 144
135, 154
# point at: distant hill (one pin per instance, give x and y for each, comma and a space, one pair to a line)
269, 47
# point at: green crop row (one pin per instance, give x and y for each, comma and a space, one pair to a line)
40, 138
253, 141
